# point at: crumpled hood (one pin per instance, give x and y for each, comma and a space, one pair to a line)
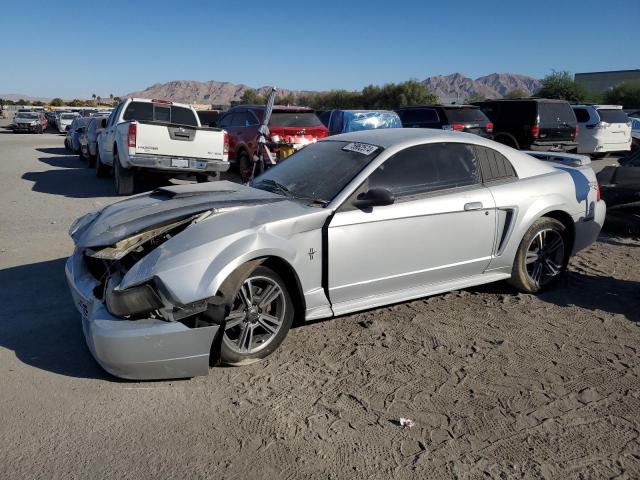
141, 212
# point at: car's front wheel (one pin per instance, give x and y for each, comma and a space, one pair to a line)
259, 318
124, 178
542, 256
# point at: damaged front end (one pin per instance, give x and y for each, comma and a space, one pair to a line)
141, 332
108, 265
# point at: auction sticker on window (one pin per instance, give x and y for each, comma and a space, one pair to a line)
363, 148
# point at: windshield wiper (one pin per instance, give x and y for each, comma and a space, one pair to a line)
280, 187
288, 193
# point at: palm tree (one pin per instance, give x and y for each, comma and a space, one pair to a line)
93, 95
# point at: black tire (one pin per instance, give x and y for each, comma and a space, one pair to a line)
244, 166
91, 160
201, 178
551, 259
281, 308
124, 179
66, 145
507, 140
102, 170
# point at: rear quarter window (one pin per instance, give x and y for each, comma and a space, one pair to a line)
612, 115
582, 115
494, 165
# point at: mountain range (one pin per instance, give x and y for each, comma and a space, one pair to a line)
454, 87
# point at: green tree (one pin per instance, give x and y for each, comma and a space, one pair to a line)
93, 95
56, 102
38, 103
560, 85
626, 94
475, 97
516, 93
251, 96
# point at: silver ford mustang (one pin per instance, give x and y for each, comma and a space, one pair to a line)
171, 281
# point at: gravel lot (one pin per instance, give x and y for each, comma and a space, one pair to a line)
499, 384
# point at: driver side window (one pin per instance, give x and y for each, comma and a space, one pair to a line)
427, 168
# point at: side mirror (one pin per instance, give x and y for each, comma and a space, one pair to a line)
376, 197
103, 123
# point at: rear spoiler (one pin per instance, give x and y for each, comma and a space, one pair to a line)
569, 159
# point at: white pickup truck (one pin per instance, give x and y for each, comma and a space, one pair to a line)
160, 136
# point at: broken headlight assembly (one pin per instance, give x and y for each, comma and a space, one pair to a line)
132, 301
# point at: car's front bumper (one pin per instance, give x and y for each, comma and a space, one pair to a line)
137, 349
24, 127
194, 165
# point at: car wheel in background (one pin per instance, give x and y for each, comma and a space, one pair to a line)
542, 256
260, 317
124, 179
244, 166
201, 178
91, 160
102, 170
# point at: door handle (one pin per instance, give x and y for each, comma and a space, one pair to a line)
473, 206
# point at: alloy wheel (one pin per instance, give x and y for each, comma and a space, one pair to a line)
545, 257
256, 317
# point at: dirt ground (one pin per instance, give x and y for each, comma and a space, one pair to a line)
499, 384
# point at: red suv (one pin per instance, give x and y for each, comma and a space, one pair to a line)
290, 125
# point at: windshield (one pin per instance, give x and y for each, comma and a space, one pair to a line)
27, 115
319, 171
612, 115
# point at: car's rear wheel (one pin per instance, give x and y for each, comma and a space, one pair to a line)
259, 319
245, 166
102, 170
124, 179
542, 256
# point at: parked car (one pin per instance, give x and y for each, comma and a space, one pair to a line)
77, 128
603, 129
170, 280
162, 137
343, 121
461, 118
89, 139
29, 122
296, 126
635, 133
64, 122
533, 124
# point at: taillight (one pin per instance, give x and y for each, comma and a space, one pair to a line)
577, 130
132, 134
598, 197
165, 102
489, 127
225, 145
457, 126
535, 131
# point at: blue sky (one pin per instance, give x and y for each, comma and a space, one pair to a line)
73, 49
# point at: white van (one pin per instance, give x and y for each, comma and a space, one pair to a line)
603, 129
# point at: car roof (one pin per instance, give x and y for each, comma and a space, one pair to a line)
586, 105
388, 137
440, 105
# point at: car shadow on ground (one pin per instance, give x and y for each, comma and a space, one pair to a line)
40, 324
72, 178
591, 292
54, 151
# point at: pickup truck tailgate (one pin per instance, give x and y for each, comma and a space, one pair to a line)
154, 138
